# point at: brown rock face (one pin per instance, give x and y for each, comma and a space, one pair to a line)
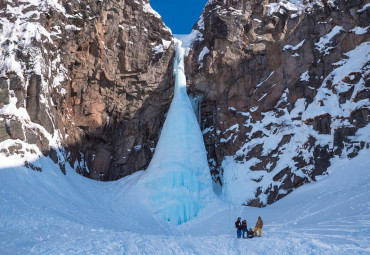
272, 96
120, 89
95, 79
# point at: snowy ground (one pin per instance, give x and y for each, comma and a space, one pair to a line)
49, 213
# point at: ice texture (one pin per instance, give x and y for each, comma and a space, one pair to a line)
178, 179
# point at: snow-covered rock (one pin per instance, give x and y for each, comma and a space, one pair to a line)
294, 76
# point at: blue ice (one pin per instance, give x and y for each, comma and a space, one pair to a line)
178, 179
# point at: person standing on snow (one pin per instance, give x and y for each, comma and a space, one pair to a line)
244, 228
258, 227
238, 226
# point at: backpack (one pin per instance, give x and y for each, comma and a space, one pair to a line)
237, 224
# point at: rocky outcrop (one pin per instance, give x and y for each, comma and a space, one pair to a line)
84, 82
281, 83
120, 88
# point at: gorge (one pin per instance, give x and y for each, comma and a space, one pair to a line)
284, 88
119, 137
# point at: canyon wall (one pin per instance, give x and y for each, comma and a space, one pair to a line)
84, 82
285, 89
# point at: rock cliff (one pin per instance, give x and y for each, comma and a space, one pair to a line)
84, 82
284, 88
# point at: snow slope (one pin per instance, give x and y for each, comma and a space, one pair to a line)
52, 213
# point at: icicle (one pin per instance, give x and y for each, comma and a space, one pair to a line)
196, 101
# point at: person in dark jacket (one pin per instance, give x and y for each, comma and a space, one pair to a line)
244, 228
250, 233
258, 227
238, 226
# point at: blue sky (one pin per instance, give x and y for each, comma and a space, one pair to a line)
179, 15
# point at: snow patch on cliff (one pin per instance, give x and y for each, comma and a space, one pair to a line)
324, 42
204, 52
293, 48
148, 9
326, 101
297, 6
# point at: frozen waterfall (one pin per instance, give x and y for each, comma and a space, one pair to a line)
178, 179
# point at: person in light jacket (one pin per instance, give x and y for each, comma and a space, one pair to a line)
258, 227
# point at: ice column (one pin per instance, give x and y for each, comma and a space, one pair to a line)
178, 179
196, 102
